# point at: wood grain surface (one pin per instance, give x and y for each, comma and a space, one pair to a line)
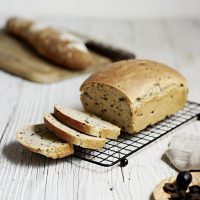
17, 58
25, 175
160, 194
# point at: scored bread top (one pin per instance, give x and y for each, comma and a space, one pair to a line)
86, 122
71, 135
140, 80
58, 46
38, 139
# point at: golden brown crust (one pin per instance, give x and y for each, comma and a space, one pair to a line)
112, 132
138, 76
151, 91
77, 138
67, 51
158, 109
65, 119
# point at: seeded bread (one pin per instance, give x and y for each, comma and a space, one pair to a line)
86, 123
133, 94
38, 139
60, 47
72, 136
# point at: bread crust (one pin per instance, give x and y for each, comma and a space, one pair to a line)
72, 136
67, 120
143, 84
60, 150
88, 128
138, 76
61, 48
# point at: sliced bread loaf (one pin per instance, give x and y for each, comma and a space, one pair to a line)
38, 139
134, 94
86, 123
71, 135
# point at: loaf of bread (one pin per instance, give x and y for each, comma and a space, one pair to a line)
134, 94
38, 139
60, 47
72, 136
86, 123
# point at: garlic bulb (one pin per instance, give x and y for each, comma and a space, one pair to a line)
184, 151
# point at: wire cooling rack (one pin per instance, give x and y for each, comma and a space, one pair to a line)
116, 151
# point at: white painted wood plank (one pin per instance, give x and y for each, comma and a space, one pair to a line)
186, 48
10, 88
24, 174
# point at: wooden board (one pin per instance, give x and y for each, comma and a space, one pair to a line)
159, 193
19, 59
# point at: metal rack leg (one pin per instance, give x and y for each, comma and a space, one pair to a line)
123, 162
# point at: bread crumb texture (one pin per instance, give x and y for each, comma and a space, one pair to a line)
38, 139
71, 135
134, 94
86, 122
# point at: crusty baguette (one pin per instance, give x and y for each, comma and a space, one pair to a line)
86, 123
134, 94
60, 47
38, 139
71, 135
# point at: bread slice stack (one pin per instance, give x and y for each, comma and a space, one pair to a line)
63, 129
86, 123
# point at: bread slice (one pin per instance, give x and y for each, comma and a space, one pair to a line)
86, 122
38, 139
71, 135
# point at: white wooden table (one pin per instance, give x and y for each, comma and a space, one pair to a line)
24, 175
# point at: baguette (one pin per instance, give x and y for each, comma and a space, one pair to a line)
86, 123
72, 136
60, 47
38, 139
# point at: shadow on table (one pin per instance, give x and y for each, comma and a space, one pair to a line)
18, 155
151, 197
166, 160
84, 165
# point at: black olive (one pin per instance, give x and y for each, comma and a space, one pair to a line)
170, 187
178, 195
192, 196
194, 189
123, 162
183, 179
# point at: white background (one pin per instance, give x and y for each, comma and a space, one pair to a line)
128, 9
